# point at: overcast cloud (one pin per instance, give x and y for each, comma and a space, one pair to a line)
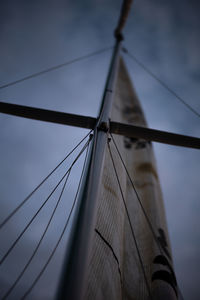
35, 35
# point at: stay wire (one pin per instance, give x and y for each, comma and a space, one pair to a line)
62, 233
137, 196
39, 243
42, 237
131, 227
161, 82
41, 183
35, 215
140, 202
54, 68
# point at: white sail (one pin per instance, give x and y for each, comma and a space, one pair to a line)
115, 270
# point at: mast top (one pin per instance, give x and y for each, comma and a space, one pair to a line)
126, 6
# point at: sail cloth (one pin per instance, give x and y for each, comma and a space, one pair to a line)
115, 270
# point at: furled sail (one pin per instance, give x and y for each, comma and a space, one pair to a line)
130, 256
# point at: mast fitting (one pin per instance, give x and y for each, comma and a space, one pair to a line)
103, 126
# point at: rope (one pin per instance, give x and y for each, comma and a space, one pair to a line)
58, 242
26, 227
54, 68
38, 245
41, 183
132, 230
161, 82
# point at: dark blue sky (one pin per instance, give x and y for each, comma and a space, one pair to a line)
35, 35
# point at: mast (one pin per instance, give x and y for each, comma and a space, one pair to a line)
79, 245
75, 266
75, 270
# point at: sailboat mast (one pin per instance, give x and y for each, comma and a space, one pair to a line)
74, 274
76, 261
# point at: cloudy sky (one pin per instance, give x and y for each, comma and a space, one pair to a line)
35, 35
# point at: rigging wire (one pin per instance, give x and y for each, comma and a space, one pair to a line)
161, 82
54, 68
39, 243
142, 207
137, 196
131, 227
62, 233
41, 183
30, 222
